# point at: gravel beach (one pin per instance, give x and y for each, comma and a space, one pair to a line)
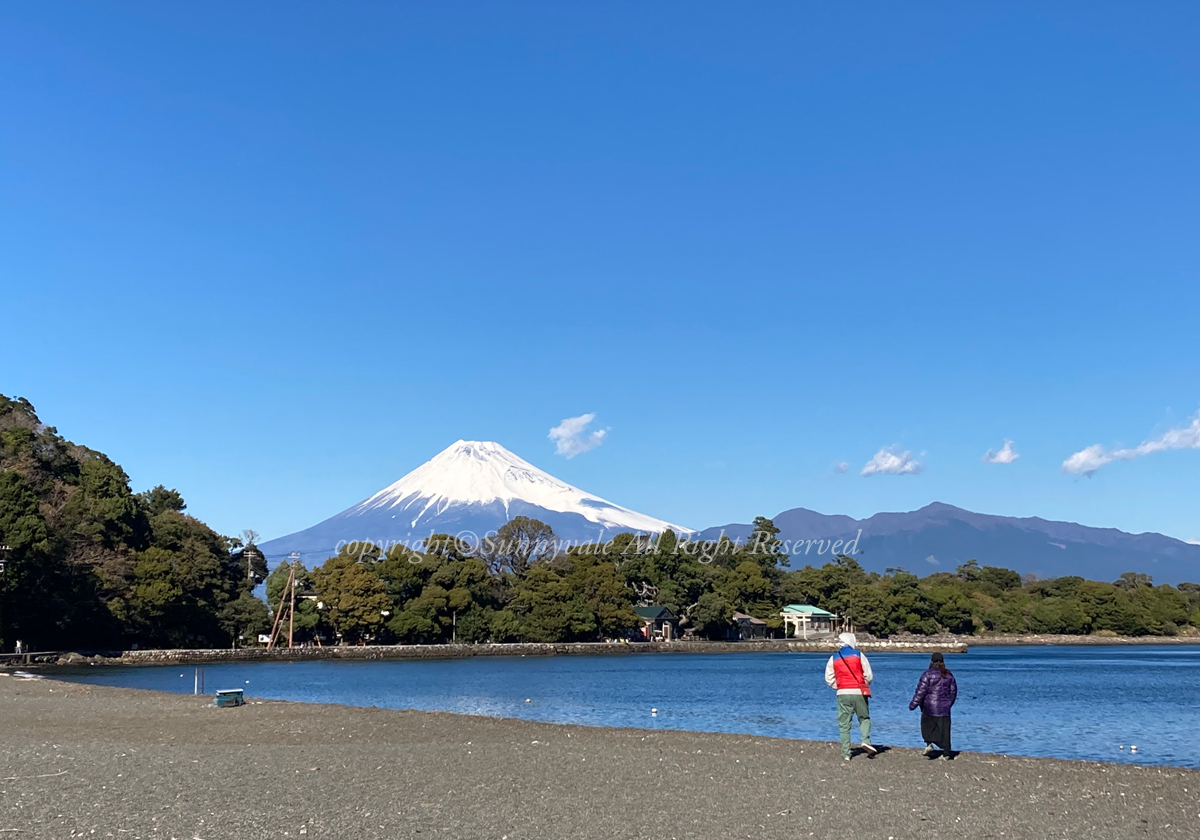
78, 760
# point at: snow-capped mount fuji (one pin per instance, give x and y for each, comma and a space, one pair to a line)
474, 487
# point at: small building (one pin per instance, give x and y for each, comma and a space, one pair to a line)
659, 624
749, 627
805, 621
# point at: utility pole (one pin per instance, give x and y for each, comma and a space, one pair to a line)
4, 549
251, 552
292, 610
287, 602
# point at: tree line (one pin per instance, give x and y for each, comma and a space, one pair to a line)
506, 591
88, 564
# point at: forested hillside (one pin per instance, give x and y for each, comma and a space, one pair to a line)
89, 564
514, 593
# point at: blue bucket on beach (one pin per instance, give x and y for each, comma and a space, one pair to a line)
230, 697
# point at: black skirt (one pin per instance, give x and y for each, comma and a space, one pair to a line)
936, 731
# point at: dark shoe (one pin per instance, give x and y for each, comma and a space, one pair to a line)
870, 750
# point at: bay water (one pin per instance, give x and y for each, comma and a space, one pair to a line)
1064, 702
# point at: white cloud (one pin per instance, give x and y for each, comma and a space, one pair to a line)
933, 561
571, 436
1087, 461
888, 461
1004, 455
841, 468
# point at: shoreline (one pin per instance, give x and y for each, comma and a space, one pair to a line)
136, 763
451, 651
902, 644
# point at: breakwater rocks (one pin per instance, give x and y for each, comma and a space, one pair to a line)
18, 660
383, 652
1095, 639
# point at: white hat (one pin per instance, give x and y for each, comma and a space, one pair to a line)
848, 639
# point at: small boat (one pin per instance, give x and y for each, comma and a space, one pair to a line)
230, 697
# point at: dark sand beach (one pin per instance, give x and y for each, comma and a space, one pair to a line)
91, 761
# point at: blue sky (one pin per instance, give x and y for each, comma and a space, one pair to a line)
277, 255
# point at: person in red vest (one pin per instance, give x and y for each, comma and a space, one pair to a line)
849, 673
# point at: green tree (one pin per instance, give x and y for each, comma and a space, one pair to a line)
518, 544
356, 600
712, 616
405, 572
660, 573
603, 592
968, 571
954, 609
868, 607
1004, 580
748, 588
244, 618
764, 545
1130, 581
550, 609
160, 499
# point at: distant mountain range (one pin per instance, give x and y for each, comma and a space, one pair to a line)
477, 486
469, 487
939, 537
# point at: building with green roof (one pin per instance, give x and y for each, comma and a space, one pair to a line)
805, 620
658, 623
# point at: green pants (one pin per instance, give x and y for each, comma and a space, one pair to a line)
848, 706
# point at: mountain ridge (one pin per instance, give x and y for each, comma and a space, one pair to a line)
470, 487
939, 536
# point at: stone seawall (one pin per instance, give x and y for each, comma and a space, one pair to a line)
905, 644
1034, 639
382, 652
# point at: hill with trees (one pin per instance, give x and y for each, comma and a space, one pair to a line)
89, 564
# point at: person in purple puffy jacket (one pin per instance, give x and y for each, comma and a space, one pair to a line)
935, 694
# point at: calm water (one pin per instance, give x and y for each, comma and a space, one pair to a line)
1068, 702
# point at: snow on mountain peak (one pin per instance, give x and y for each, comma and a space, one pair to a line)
472, 472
